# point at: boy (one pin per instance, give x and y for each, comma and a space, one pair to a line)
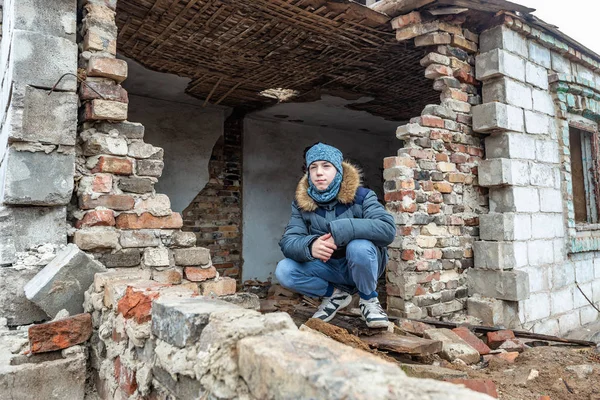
335, 242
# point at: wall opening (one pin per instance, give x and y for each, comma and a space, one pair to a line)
582, 171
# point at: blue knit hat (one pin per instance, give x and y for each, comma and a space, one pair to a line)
324, 152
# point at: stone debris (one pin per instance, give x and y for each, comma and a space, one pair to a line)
453, 347
244, 300
472, 340
180, 322
495, 339
61, 284
485, 386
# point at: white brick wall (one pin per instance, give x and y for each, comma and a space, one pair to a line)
502, 37
537, 123
540, 252
541, 174
568, 322
539, 279
547, 226
514, 199
510, 145
542, 102
563, 274
588, 314
498, 63
560, 63
527, 205
539, 54
508, 91
584, 271
551, 200
536, 75
537, 306
561, 300
546, 151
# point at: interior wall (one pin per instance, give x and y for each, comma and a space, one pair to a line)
179, 124
272, 168
187, 133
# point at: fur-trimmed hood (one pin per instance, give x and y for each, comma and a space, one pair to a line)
350, 184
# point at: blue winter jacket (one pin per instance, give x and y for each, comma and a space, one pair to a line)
354, 214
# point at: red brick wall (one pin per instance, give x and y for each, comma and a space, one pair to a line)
215, 215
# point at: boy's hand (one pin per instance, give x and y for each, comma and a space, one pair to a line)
323, 247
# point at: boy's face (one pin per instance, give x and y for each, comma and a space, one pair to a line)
321, 174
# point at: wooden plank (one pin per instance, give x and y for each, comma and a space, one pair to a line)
403, 344
488, 5
522, 334
394, 8
447, 10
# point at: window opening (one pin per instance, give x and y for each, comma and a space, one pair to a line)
582, 172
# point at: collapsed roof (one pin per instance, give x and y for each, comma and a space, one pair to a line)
254, 53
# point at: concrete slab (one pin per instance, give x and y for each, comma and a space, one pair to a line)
14, 306
40, 60
34, 226
37, 117
57, 18
62, 283
37, 178
180, 321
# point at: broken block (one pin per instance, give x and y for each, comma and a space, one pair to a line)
495, 339
221, 287
504, 285
192, 256
38, 377
249, 301
485, 386
453, 347
60, 334
62, 283
37, 178
180, 322
14, 306
472, 340
199, 274
497, 117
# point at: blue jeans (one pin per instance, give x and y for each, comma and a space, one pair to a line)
360, 269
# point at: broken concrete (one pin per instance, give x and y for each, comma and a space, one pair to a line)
55, 375
37, 178
14, 306
265, 364
453, 347
180, 322
62, 283
35, 226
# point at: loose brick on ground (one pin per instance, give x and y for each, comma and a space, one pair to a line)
60, 334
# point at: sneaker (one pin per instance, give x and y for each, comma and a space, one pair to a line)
373, 314
330, 305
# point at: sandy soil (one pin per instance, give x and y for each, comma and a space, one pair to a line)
553, 364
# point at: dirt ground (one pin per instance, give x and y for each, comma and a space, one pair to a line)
551, 363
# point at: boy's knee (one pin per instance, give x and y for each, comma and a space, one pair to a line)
284, 271
360, 247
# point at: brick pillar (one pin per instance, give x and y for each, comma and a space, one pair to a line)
37, 140
119, 216
431, 185
522, 171
215, 215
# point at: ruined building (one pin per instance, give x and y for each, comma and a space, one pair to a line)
164, 138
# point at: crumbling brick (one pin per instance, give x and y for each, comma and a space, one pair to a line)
149, 221
60, 334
